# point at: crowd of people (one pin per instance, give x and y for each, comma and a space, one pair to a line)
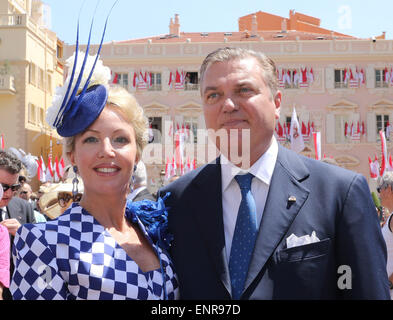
267, 223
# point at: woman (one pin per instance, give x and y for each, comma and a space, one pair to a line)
102, 247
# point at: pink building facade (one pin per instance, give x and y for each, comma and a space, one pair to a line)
350, 82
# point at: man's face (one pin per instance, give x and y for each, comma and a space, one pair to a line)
25, 192
235, 96
386, 196
8, 179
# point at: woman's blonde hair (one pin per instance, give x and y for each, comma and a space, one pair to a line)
120, 99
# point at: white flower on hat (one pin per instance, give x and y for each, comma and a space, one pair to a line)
101, 76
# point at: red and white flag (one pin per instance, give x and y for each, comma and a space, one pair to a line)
383, 152
390, 163
173, 168
179, 80
374, 171
297, 143
361, 77
57, 170
305, 133
317, 145
280, 133
353, 79
62, 167
115, 79
304, 83
135, 81
179, 147
42, 173
310, 76
171, 79
387, 75
49, 170
287, 78
355, 133
168, 169
2, 142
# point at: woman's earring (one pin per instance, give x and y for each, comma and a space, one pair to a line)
75, 182
132, 180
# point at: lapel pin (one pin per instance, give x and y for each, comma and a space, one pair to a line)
292, 199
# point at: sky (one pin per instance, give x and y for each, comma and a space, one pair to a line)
140, 19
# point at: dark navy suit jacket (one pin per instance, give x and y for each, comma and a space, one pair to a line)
333, 202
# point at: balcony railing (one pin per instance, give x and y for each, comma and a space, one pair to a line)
7, 85
191, 86
9, 20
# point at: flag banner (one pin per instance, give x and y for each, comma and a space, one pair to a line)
297, 143
2, 142
303, 83
374, 170
310, 76
305, 133
317, 145
355, 134
383, 152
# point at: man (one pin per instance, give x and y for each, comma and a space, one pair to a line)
385, 190
139, 184
268, 224
13, 211
25, 193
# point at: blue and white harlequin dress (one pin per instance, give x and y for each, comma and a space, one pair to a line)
74, 257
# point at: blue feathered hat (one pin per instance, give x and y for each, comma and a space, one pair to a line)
80, 101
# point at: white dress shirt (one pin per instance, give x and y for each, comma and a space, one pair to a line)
262, 170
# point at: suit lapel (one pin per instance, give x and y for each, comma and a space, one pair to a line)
279, 213
209, 217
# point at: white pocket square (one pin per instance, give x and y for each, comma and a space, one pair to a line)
294, 241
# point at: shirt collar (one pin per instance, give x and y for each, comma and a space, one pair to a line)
262, 169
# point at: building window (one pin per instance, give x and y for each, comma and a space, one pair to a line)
32, 114
32, 74
339, 128
155, 129
339, 77
191, 81
191, 126
41, 79
380, 78
383, 123
155, 81
59, 52
42, 116
122, 80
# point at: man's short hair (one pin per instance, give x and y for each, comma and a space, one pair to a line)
269, 70
140, 175
386, 180
10, 163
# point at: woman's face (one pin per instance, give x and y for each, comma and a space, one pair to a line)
105, 154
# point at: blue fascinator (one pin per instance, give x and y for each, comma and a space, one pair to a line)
80, 101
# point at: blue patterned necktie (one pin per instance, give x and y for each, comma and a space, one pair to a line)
244, 237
